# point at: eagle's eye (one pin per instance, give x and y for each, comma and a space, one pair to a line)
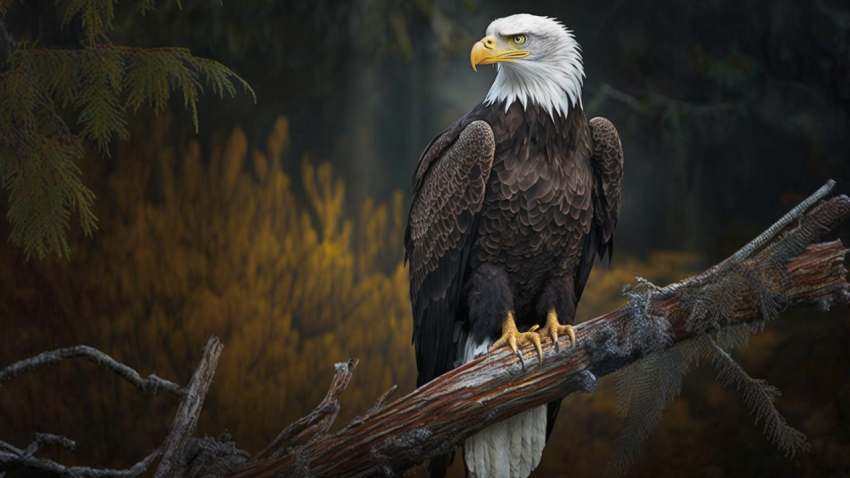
518, 39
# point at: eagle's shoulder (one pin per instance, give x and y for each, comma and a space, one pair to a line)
607, 161
480, 124
447, 175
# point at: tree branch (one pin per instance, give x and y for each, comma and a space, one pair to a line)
175, 450
779, 270
11, 455
316, 423
150, 386
174, 461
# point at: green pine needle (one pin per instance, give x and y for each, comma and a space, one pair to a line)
38, 152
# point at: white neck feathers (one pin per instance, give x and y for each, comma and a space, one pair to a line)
551, 77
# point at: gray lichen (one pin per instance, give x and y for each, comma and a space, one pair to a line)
646, 387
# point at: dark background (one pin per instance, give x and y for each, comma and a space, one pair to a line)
730, 112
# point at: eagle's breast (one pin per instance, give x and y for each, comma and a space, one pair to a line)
537, 206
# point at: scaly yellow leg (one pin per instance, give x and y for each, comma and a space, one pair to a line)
514, 338
553, 329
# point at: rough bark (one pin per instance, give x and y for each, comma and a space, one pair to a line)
173, 449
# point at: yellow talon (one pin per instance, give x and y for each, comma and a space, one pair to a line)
514, 339
553, 329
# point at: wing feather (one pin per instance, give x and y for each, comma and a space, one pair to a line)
607, 164
448, 192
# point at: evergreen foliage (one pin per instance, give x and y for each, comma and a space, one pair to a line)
100, 81
648, 386
759, 396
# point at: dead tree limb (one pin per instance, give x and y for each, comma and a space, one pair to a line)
318, 422
173, 463
11, 455
150, 386
781, 269
173, 450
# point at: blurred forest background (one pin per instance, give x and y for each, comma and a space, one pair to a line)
278, 226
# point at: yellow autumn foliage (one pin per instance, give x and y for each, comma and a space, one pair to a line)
192, 247
223, 241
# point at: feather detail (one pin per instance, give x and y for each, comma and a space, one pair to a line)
511, 448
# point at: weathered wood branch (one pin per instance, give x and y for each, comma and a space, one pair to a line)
174, 463
173, 450
785, 269
151, 386
318, 422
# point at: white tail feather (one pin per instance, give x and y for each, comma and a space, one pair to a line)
511, 448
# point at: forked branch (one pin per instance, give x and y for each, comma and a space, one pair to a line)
151, 386
174, 450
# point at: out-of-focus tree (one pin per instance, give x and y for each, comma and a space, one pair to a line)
376, 74
100, 81
193, 246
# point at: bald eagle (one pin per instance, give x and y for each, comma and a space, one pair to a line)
510, 206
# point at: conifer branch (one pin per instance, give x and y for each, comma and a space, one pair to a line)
38, 153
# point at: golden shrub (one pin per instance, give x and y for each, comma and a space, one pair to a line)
192, 246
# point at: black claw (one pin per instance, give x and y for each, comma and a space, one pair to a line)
521, 358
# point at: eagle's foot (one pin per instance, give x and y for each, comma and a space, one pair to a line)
514, 339
553, 329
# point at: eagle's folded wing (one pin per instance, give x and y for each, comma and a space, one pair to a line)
448, 192
607, 163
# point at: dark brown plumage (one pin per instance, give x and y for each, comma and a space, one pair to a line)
508, 212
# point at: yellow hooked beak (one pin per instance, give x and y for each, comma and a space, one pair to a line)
487, 52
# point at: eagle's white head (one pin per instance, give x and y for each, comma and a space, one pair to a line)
538, 61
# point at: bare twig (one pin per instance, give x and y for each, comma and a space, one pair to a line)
151, 386
9, 455
318, 422
42, 439
383, 400
172, 449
